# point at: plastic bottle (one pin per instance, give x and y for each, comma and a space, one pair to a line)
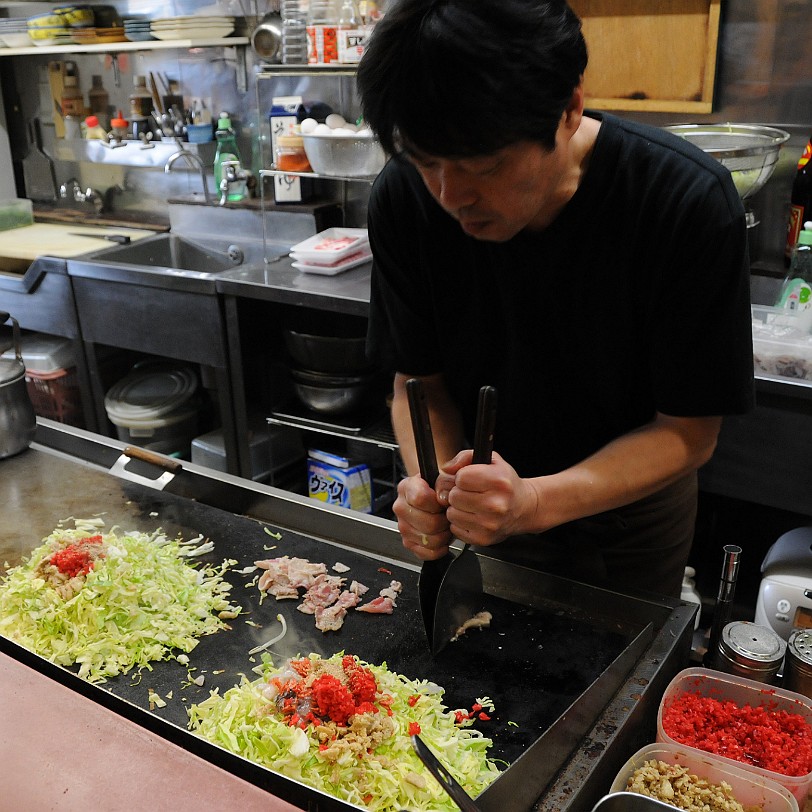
351, 35
294, 33
322, 32
119, 127
227, 150
800, 201
73, 104
99, 101
94, 130
140, 99
796, 293
689, 592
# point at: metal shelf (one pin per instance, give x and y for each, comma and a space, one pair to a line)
116, 47
352, 178
375, 430
272, 71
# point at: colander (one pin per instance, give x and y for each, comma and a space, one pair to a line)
749, 151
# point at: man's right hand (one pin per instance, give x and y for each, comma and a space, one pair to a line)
421, 519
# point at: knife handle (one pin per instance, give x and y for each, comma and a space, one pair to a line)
421, 426
485, 426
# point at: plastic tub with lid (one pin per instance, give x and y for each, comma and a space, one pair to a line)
44, 354
748, 789
156, 406
740, 692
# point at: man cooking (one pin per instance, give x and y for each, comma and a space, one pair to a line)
593, 270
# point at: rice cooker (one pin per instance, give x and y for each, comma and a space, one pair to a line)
785, 594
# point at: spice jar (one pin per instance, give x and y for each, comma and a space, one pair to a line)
798, 667
751, 651
290, 154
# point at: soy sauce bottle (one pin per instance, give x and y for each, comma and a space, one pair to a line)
800, 210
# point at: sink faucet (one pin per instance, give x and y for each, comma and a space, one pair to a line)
71, 188
192, 160
233, 175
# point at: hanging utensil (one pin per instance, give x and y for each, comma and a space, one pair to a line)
457, 794
38, 169
449, 588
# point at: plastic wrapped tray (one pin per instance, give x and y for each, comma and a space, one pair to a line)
782, 344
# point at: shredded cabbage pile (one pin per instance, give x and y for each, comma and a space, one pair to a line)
140, 601
390, 777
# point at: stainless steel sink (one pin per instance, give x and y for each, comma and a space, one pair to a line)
171, 251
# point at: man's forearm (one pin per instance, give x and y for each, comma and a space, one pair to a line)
630, 468
446, 424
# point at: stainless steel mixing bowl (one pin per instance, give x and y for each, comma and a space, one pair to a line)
749, 151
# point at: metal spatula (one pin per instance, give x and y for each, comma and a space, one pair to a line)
450, 588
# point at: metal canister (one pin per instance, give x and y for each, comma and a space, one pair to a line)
798, 667
751, 651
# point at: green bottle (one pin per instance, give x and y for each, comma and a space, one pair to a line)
796, 294
227, 151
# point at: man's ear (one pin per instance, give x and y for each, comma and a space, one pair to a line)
574, 111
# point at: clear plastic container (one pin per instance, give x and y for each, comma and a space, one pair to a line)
16, 212
741, 691
782, 345
294, 32
291, 155
44, 354
748, 789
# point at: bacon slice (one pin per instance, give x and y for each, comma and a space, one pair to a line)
381, 605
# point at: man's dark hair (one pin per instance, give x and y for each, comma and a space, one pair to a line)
462, 78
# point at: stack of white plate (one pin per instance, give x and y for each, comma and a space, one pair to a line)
332, 251
137, 30
192, 27
14, 32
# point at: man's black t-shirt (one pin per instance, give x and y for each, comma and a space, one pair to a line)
635, 300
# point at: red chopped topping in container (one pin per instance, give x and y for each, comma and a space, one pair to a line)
763, 736
77, 558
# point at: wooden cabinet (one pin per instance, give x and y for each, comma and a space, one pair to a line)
650, 56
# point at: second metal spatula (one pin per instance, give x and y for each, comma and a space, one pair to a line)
450, 588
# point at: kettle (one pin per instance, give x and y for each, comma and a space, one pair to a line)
17, 419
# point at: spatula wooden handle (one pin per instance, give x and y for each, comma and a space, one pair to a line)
485, 425
421, 426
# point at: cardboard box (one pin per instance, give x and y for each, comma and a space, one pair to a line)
334, 480
287, 188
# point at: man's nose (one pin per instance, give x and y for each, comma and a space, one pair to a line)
455, 189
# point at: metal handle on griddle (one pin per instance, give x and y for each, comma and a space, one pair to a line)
170, 467
457, 794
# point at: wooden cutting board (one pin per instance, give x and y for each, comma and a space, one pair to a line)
58, 240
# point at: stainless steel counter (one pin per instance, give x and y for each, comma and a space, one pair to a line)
569, 761
278, 281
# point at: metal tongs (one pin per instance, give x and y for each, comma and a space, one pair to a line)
450, 588
457, 794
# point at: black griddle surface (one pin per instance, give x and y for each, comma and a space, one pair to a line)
533, 663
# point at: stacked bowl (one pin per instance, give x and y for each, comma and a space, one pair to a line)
331, 374
49, 29
137, 29
14, 32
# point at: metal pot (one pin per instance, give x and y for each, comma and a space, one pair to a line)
17, 419
266, 39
